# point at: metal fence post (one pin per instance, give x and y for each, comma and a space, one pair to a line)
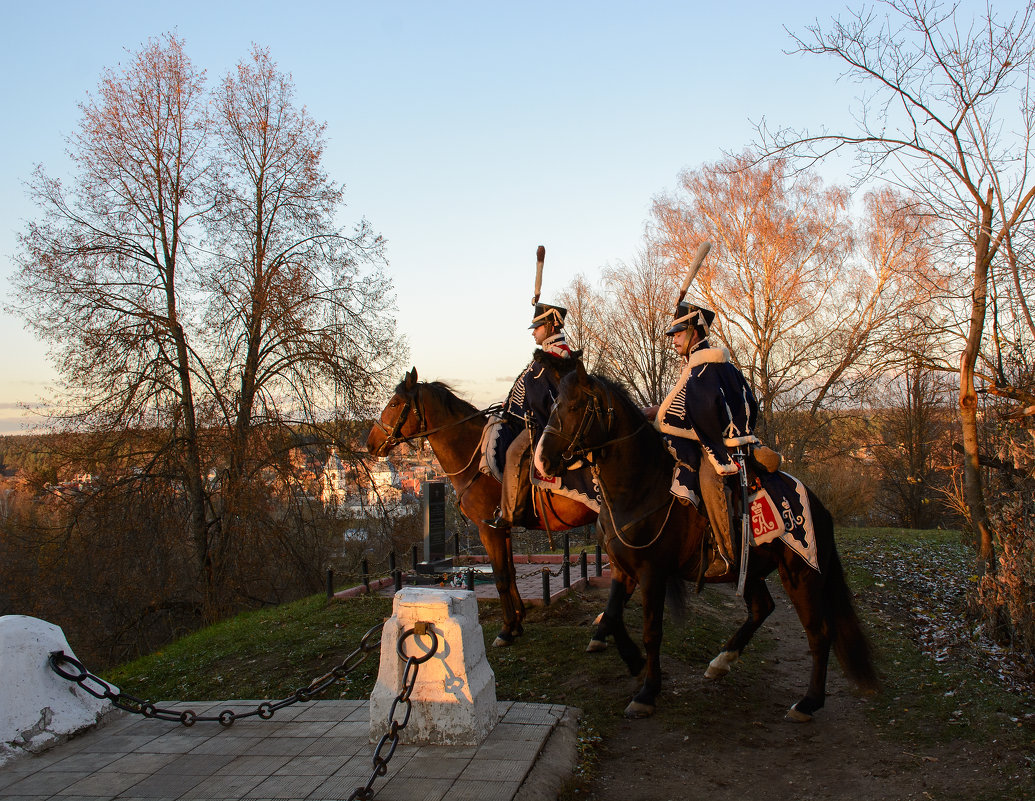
415, 560
546, 586
469, 580
566, 568
583, 569
600, 567
330, 583
366, 575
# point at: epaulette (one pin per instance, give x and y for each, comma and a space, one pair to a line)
560, 365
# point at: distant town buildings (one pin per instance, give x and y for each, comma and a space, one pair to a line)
369, 487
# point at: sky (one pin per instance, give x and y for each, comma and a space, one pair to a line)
466, 133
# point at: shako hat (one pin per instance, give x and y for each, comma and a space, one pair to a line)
688, 315
545, 313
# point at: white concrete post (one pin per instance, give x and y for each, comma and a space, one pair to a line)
38, 708
454, 697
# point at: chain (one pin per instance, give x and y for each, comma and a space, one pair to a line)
99, 688
409, 679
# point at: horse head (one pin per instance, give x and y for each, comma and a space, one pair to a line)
400, 420
579, 421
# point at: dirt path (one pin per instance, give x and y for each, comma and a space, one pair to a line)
751, 752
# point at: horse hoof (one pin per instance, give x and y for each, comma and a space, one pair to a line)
636, 710
503, 639
720, 666
797, 716
595, 646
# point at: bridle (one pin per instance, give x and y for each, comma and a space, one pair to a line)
593, 413
596, 413
395, 435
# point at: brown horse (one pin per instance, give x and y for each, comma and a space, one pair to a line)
657, 543
453, 428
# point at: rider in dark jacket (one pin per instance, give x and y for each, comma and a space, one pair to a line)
710, 411
527, 409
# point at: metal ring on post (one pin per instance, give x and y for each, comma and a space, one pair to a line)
409, 633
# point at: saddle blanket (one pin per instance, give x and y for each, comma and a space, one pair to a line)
781, 509
575, 484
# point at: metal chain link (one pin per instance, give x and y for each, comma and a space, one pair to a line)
395, 725
99, 688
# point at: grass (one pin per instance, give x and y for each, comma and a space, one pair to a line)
909, 587
939, 685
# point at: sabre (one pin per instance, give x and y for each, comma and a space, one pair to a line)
702, 251
745, 521
540, 257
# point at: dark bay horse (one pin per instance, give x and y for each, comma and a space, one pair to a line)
453, 428
656, 543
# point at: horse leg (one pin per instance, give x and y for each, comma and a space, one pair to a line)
760, 605
612, 621
515, 595
503, 573
804, 587
653, 591
604, 623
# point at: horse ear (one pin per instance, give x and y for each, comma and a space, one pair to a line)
580, 372
411, 379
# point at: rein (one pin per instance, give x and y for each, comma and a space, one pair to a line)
577, 449
393, 433
394, 437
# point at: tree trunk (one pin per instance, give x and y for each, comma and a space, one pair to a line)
972, 482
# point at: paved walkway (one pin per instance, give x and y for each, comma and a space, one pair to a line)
317, 750
529, 580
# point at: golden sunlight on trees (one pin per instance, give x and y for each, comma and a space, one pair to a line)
194, 284
621, 327
947, 114
804, 300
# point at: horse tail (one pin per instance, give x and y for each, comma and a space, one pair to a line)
851, 646
675, 597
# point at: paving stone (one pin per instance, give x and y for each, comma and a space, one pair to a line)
286, 787
251, 765
194, 765
312, 766
166, 785
103, 785
90, 761
413, 789
502, 770
45, 783
323, 753
229, 786
482, 790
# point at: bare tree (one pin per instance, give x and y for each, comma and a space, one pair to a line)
802, 300
949, 116
103, 272
200, 298
300, 310
621, 324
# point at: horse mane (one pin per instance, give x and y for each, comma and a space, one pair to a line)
619, 391
446, 396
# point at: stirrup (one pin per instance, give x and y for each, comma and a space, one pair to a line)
718, 568
498, 522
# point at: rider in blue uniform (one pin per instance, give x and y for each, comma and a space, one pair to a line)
710, 412
527, 409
